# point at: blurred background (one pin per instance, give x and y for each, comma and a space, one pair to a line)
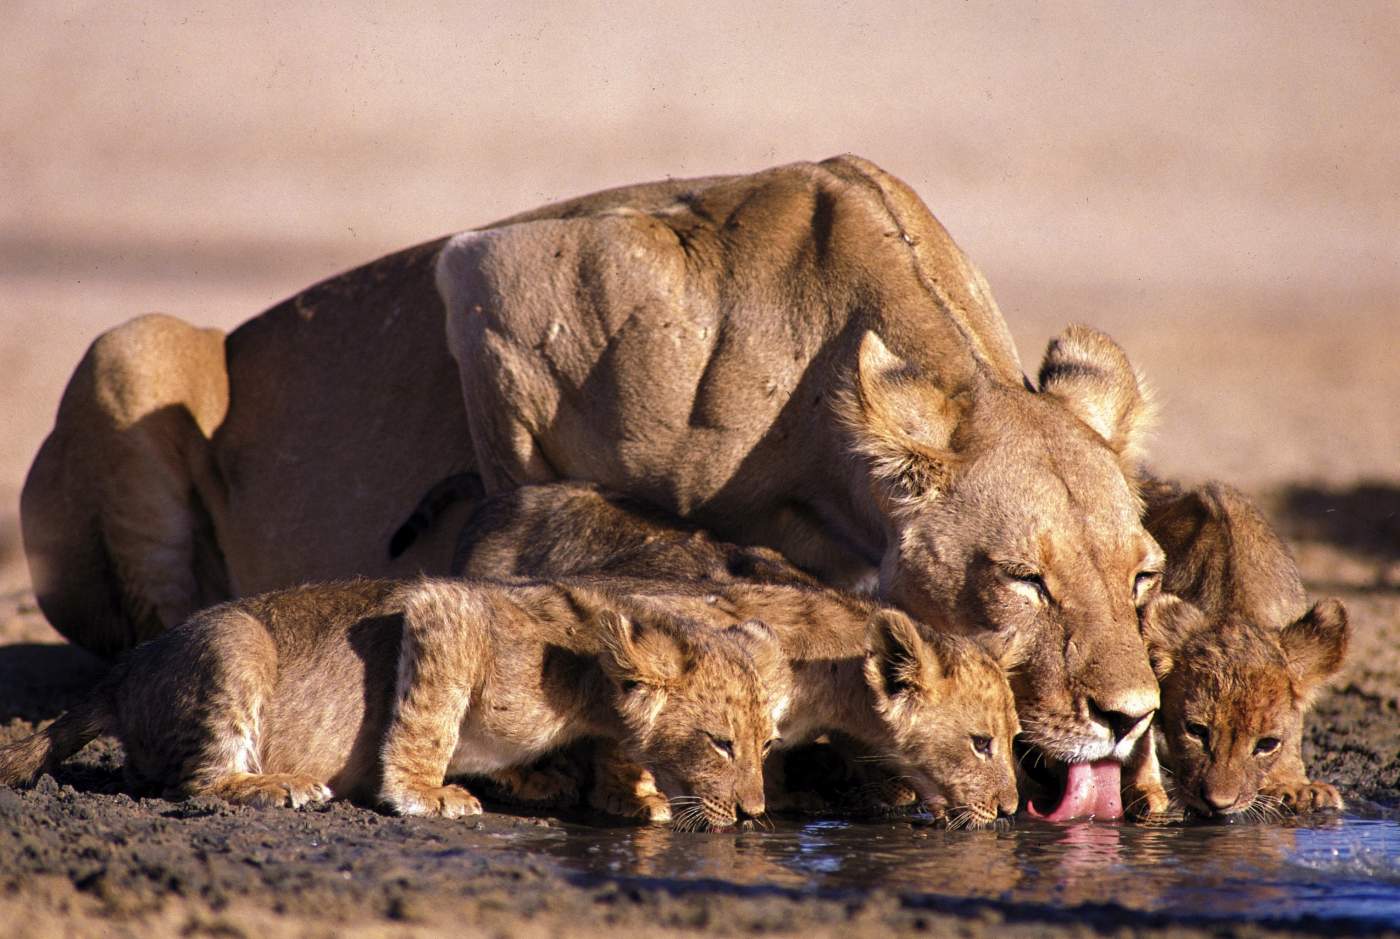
1217, 186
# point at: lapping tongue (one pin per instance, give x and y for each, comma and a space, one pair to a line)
1091, 789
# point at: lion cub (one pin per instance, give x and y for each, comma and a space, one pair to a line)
936, 709
378, 690
1238, 654
582, 528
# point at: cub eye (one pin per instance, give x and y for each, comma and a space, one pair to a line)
723, 745
1032, 580
1199, 731
630, 686
769, 745
982, 745
1144, 582
1266, 745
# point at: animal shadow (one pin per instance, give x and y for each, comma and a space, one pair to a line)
40, 680
1364, 518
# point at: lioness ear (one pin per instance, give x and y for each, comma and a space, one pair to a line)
1167, 622
898, 658
902, 423
1316, 645
634, 655
1091, 376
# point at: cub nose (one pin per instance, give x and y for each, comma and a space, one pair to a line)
1121, 724
1219, 798
749, 811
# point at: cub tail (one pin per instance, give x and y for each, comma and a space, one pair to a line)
22, 762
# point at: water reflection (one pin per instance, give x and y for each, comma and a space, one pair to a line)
1329, 868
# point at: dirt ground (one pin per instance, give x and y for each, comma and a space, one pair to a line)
1213, 186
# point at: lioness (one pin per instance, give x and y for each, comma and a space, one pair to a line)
799, 358
377, 690
1240, 656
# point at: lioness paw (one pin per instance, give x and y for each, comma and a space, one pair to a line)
434, 801
1306, 797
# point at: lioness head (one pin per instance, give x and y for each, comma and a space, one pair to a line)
700, 707
1234, 694
1009, 517
947, 708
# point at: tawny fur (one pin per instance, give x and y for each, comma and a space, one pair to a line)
379, 691
689, 342
920, 703
1240, 656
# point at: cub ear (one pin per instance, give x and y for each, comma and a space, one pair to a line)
756, 632
1091, 376
898, 659
763, 646
1009, 652
1167, 622
1316, 645
902, 423
636, 655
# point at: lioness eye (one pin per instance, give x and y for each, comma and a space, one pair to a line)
1144, 582
1033, 580
1266, 745
1198, 731
723, 745
982, 745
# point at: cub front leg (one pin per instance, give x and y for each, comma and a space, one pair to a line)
1144, 796
624, 788
548, 783
438, 662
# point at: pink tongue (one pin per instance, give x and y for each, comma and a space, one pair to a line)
1091, 790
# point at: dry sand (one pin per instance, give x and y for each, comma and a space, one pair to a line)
1216, 187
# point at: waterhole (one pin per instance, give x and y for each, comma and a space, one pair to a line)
1339, 868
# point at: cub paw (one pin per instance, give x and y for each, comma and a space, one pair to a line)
1146, 802
544, 786
650, 807
434, 802
1306, 796
270, 790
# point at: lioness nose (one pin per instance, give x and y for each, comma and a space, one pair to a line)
1120, 723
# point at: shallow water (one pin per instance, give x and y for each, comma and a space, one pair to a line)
1328, 868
